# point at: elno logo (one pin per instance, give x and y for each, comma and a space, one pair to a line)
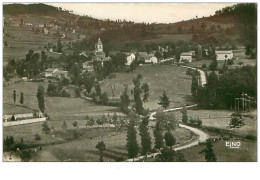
233, 144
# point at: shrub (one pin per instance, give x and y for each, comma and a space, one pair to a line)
90, 122
37, 137
195, 122
204, 66
13, 118
250, 137
236, 121
75, 124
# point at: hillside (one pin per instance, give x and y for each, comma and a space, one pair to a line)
234, 25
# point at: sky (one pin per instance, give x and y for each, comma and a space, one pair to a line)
144, 12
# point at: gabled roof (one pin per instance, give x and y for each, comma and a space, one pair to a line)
186, 54
51, 69
223, 52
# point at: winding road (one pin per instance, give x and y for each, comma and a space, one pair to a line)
202, 135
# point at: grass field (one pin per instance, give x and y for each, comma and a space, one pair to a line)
59, 108
246, 153
84, 148
239, 56
21, 39
221, 118
60, 146
160, 78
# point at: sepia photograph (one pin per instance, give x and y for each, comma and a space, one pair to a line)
129, 82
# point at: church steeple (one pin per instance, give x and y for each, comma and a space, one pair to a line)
99, 46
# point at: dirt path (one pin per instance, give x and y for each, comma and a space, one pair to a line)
202, 138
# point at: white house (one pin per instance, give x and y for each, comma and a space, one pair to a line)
61, 74
148, 58
49, 72
45, 31
186, 57
130, 58
152, 60
224, 55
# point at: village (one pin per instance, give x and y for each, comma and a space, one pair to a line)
71, 93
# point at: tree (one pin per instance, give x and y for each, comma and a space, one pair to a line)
25, 156
137, 94
59, 46
64, 125
236, 120
75, 124
8, 143
14, 96
230, 62
131, 139
40, 97
37, 137
166, 155
98, 89
213, 65
119, 60
145, 88
145, 136
194, 86
101, 147
168, 121
169, 139
164, 101
209, 153
158, 135
21, 98
45, 128
75, 134
184, 113
124, 100
104, 98
89, 81
114, 118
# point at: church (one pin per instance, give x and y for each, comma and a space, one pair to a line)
99, 54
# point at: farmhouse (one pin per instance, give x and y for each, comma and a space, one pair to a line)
148, 58
223, 55
186, 57
49, 72
60, 74
45, 31
130, 58
56, 73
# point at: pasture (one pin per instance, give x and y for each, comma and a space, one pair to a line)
84, 149
58, 108
221, 118
160, 78
59, 145
246, 153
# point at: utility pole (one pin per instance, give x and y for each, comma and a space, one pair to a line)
242, 101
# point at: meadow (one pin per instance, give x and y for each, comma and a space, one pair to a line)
221, 118
58, 108
160, 78
245, 153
